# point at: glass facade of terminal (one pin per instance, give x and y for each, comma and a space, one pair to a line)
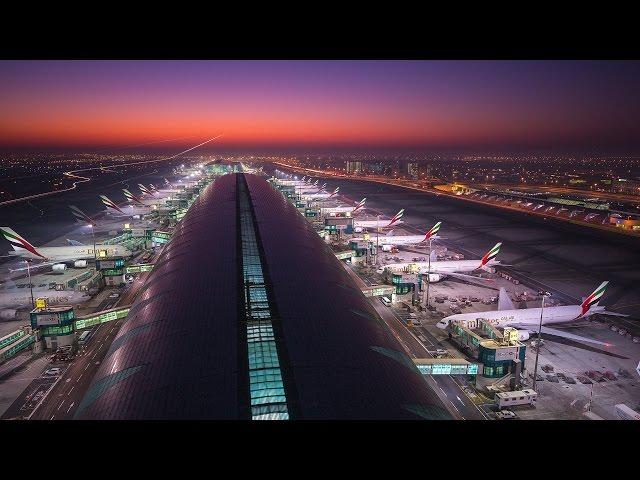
266, 388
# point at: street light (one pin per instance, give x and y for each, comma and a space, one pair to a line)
535, 368
94, 242
429, 274
33, 303
377, 236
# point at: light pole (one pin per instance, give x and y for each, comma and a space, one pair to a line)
535, 368
95, 257
33, 303
428, 275
377, 236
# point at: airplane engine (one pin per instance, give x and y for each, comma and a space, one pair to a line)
59, 267
80, 264
434, 277
8, 314
523, 335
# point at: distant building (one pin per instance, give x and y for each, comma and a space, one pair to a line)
376, 168
628, 186
354, 166
413, 169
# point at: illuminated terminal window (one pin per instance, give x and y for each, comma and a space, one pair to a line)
266, 388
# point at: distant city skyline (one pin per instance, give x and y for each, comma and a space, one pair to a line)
279, 106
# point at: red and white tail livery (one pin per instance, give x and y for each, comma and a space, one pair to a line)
19, 244
143, 189
80, 215
432, 232
490, 255
110, 205
359, 206
593, 299
132, 198
396, 218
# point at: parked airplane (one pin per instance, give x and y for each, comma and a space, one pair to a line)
144, 190
390, 240
449, 268
132, 198
395, 220
76, 254
317, 196
19, 298
113, 209
527, 320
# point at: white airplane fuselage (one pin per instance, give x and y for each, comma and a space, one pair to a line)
375, 223
129, 211
317, 196
346, 209
22, 297
441, 266
528, 318
71, 253
401, 239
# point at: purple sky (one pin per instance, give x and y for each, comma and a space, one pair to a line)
426, 104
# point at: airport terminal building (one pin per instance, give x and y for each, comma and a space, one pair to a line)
248, 314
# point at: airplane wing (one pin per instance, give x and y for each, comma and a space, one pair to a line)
562, 334
74, 243
504, 302
609, 312
461, 276
35, 265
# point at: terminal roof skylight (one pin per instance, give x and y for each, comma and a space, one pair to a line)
266, 388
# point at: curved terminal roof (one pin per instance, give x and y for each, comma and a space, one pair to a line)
182, 351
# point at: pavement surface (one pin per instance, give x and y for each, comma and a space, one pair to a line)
446, 387
65, 397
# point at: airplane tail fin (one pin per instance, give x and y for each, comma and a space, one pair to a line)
593, 299
490, 254
432, 231
80, 215
18, 243
396, 217
109, 204
360, 205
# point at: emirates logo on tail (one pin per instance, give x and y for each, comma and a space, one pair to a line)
490, 254
593, 299
433, 231
396, 217
109, 204
18, 243
360, 205
80, 215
